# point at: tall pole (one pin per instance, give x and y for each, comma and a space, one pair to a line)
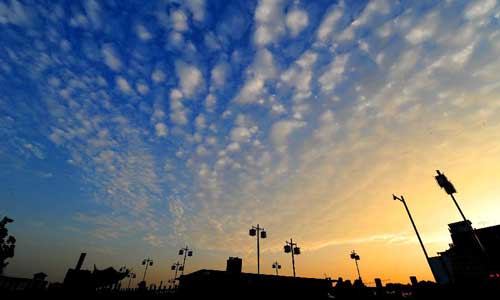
402, 199
184, 262
459, 209
261, 233
357, 268
445, 184
258, 249
293, 258
146, 269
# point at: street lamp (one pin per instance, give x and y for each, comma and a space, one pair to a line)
186, 252
260, 233
355, 256
123, 270
402, 199
176, 267
146, 262
130, 276
276, 266
291, 247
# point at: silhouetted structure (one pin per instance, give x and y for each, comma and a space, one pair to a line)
234, 265
464, 261
7, 243
186, 252
212, 284
87, 281
291, 247
260, 233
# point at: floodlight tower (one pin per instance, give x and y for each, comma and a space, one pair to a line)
291, 247
355, 256
448, 187
260, 233
186, 252
276, 267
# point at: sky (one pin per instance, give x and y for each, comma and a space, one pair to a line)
130, 129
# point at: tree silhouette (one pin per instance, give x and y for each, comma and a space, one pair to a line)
7, 243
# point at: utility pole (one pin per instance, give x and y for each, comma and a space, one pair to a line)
260, 233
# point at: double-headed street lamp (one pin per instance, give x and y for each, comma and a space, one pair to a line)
177, 267
276, 267
355, 256
130, 276
260, 233
291, 247
186, 252
147, 262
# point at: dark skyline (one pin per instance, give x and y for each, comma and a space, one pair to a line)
130, 130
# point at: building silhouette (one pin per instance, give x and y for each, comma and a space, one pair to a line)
233, 284
465, 261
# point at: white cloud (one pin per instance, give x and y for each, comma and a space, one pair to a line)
262, 69
142, 32
424, 30
240, 134
218, 74
251, 91
478, 9
158, 76
329, 22
161, 129
15, 13
296, 21
93, 12
123, 85
197, 8
334, 73
281, 130
190, 77
200, 122
210, 102
142, 88
269, 22
233, 147
179, 20
111, 57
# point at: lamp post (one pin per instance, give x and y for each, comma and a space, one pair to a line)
291, 247
147, 262
122, 270
186, 252
402, 199
276, 267
130, 276
260, 233
355, 256
176, 267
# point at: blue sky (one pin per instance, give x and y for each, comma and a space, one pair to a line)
132, 128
